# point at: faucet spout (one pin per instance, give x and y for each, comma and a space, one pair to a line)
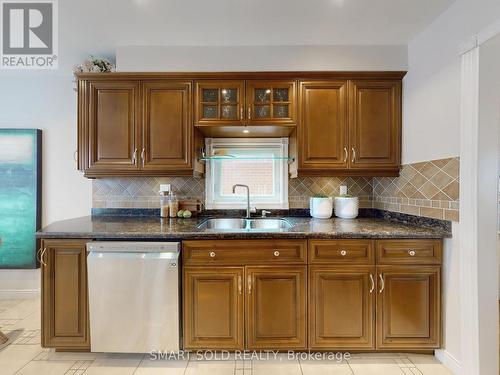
248, 197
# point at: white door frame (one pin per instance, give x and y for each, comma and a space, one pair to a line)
477, 327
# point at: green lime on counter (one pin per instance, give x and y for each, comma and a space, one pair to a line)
186, 214
180, 213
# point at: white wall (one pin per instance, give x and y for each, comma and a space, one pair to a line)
260, 58
431, 106
487, 167
19, 283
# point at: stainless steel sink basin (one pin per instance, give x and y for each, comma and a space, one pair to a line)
245, 224
224, 224
260, 224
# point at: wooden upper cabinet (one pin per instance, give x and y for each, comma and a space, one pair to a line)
276, 307
341, 307
271, 102
113, 117
375, 124
408, 307
64, 295
219, 102
322, 130
213, 308
167, 132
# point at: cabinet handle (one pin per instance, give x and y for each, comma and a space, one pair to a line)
239, 285
276, 253
38, 255
345, 154
212, 254
249, 113
41, 256
343, 253
373, 284
353, 154
382, 283
411, 253
143, 152
249, 282
134, 156
242, 116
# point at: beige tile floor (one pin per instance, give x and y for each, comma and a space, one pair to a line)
20, 321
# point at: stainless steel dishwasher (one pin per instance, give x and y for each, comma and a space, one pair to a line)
133, 296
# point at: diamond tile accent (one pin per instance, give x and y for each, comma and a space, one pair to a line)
426, 189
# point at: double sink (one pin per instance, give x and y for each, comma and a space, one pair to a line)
245, 224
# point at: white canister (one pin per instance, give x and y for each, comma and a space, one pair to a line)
346, 207
321, 208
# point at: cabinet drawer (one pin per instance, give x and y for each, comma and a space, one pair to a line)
341, 251
409, 252
238, 252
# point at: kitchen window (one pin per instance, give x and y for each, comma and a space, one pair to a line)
260, 163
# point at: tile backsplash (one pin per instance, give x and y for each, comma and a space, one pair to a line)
142, 192
302, 188
425, 189
428, 189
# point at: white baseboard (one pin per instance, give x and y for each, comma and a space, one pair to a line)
19, 294
449, 361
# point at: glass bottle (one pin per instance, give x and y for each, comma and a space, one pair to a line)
165, 200
174, 205
164, 204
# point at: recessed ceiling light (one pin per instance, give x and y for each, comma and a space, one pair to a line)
246, 131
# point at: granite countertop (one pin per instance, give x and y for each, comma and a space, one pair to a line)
144, 227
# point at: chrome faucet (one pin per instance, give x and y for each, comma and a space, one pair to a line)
248, 197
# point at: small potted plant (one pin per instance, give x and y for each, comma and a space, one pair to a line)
321, 206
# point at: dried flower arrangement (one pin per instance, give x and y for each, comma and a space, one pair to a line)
94, 65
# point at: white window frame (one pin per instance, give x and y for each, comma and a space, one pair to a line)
239, 203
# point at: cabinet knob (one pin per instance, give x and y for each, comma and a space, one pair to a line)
276, 253
212, 254
411, 253
343, 253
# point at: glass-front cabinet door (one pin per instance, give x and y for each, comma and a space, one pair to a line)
270, 102
219, 102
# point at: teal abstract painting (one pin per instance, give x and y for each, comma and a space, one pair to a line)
20, 196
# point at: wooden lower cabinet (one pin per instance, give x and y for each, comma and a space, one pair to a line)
213, 308
276, 307
342, 307
223, 305
408, 307
64, 295
369, 304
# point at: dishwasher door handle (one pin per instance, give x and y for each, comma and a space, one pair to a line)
132, 255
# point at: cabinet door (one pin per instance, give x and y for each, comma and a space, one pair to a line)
64, 295
271, 102
113, 126
213, 308
322, 130
167, 134
342, 307
276, 307
375, 124
408, 307
219, 102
